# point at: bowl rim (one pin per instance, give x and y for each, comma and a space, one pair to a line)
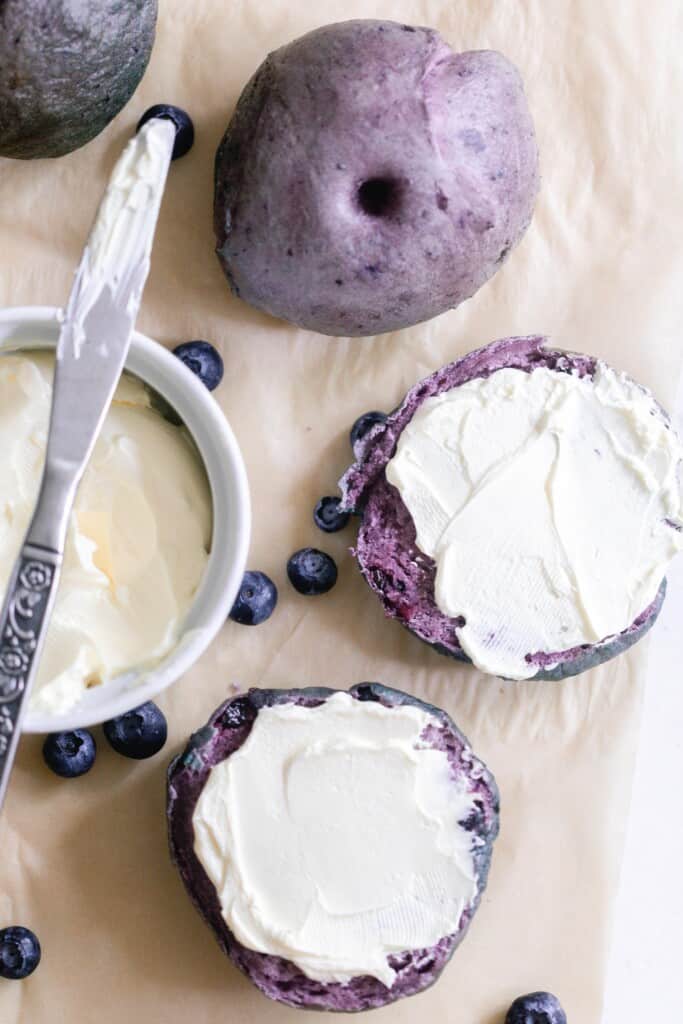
231, 508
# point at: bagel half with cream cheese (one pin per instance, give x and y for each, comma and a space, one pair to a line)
337, 843
519, 509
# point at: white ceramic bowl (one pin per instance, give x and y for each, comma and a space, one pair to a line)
38, 327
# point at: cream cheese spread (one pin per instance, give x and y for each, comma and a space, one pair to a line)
117, 256
332, 837
121, 232
138, 537
550, 504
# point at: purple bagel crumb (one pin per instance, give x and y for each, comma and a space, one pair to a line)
276, 977
399, 573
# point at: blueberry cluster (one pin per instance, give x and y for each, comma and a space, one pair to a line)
309, 570
139, 733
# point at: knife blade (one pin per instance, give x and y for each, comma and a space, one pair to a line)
99, 318
93, 344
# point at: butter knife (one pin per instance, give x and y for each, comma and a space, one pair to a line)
95, 335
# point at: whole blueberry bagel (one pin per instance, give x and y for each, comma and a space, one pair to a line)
67, 67
406, 578
228, 730
371, 178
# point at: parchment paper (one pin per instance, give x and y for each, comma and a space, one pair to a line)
84, 863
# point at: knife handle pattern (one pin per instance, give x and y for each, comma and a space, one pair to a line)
23, 623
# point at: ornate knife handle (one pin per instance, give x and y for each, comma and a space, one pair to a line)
23, 624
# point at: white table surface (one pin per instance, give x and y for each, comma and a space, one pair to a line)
645, 979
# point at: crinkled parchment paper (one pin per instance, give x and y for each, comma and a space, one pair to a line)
85, 862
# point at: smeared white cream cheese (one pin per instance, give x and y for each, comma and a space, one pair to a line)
138, 537
116, 258
332, 838
549, 503
121, 235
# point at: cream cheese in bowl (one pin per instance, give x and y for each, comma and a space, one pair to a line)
138, 538
187, 491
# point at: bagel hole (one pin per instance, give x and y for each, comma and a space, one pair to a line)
379, 197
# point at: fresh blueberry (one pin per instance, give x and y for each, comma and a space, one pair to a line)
204, 361
19, 953
363, 424
311, 571
256, 600
70, 754
184, 129
536, 1008
328, 516
139, 733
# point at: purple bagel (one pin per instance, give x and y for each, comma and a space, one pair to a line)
399, 573
277, 978
371, 178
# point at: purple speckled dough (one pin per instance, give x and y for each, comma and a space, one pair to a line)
280, 979
399, 573
446, 141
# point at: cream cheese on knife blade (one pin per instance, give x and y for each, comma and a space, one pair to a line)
118, 251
